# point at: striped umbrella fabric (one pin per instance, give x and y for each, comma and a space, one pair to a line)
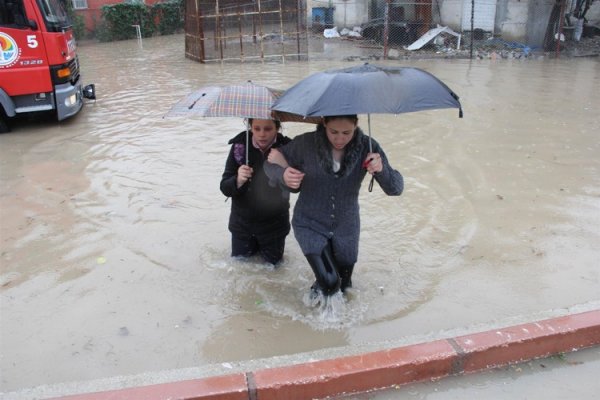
243, 101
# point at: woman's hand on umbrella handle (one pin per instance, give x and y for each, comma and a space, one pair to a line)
373, 163
275, 157
292, 177
243, 175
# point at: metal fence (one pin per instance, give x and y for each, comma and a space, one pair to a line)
463, 28
228, 30
388, 27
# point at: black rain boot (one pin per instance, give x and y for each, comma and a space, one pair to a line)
328, 280
346, 275
329, 260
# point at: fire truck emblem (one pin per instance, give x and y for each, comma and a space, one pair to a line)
9, 51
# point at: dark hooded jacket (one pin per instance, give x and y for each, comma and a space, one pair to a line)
256, 208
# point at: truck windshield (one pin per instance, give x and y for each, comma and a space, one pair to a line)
12, 14
54, 14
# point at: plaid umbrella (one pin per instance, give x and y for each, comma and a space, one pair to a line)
243, 101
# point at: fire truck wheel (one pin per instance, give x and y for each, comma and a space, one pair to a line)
3, 125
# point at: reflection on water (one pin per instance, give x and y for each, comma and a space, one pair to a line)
114, 219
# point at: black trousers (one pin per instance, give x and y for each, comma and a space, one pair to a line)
246, 245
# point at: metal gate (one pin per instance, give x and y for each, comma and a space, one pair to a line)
252, 30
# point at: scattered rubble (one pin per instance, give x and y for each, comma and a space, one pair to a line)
486, 49
586, 47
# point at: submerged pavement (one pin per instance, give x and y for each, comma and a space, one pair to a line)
113, 225
315, 376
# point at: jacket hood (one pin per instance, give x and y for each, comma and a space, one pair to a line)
240, 138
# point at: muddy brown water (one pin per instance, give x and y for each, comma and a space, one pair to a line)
114, 242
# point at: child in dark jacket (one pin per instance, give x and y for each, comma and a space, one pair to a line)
259, 219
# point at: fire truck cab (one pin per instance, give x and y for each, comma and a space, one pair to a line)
39, 68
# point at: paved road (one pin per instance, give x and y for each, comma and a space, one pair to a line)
570, 376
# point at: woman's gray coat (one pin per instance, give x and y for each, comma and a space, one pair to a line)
327, 207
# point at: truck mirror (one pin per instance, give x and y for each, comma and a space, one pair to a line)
89, 92
32, 24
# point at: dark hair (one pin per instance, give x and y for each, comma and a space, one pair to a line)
277, 122
350, 117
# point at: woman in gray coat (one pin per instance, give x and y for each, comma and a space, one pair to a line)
328, 166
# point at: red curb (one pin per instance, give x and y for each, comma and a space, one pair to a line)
381, 369
356, 373
527, 341
227, 387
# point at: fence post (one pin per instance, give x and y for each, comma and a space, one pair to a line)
239, 15
386, 29
560, 27
138, 34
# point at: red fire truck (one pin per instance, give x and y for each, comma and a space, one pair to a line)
39, 69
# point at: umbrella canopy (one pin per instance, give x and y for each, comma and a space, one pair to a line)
365, 89
243, 101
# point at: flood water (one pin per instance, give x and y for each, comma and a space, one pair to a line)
114, 241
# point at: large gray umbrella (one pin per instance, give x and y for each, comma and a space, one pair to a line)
365, 89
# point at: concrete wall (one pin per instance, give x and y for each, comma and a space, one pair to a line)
350, 13
516, 20
346, 14
451, 11
593, 14
511, 19
537, 21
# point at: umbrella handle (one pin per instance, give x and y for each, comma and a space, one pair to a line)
247, 141
370, 150
370, 142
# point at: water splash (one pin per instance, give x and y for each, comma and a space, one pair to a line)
328, 312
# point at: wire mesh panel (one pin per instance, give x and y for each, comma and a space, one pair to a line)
471, 28
395, 25
229, 30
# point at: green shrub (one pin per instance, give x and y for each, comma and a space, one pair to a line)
169, 16
119, 18
78, 26
102, 33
